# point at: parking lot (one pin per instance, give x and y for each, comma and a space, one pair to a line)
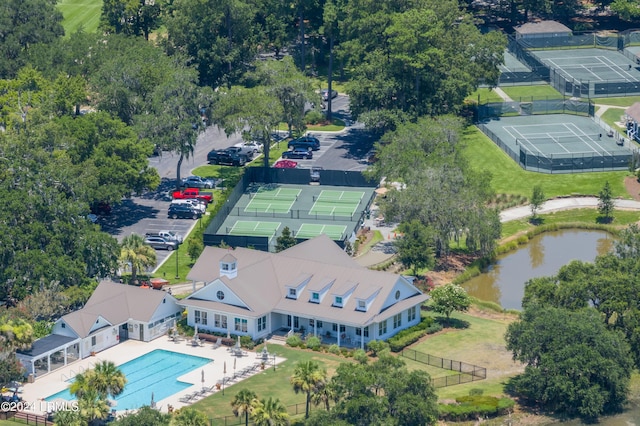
345, 150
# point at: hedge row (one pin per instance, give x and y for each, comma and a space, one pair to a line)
472, 407
412, 334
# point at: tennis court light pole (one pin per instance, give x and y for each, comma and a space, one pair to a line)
177, 274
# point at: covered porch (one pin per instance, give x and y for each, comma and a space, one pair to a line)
49, 354
329, 333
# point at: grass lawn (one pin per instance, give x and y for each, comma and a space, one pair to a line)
484, 95
528, 92
335, 126
510, 178
611, 116
621, 218
268, 382
80, 14
621, 102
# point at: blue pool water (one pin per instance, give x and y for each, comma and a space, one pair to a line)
155, 372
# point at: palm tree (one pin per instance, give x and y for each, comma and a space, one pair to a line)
241, 404
308, 377
136, 254
190, 417
68, 418
324, 394
93, 407
269, 412
108, 379
80, 384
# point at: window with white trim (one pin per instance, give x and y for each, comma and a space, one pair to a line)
262, 323
220, 321
359, 331
411, 314
315, 297
337, 301
397, 321
382, 328
292, 293
362, 305
240, 325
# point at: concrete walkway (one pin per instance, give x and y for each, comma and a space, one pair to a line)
502, 94
559, 204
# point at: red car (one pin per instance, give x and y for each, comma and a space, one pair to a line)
285, 164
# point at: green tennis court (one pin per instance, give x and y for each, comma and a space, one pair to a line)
320, 208
332, 196
275, 193
248, 227
268, 206
308, 230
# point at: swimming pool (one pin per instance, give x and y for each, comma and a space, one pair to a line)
156, 371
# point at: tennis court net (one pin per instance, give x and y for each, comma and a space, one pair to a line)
558, 139
276, 197
329, 200
253, 232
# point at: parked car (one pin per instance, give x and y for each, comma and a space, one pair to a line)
298, 152
308, 142
325, 94
161, 243
253, 146
315, 173
198, 204
169, 235
183, 211
193, 193
241, 150
226, 158
198, 182
285, 164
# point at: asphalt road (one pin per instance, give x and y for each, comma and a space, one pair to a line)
148, 213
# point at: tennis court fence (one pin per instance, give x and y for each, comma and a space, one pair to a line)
573, 162
524, 50
544, 106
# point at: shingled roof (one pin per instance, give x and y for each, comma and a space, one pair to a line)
634, 112
116, 303
263, 281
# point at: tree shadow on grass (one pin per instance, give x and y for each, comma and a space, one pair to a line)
604, 220
536, 221
452, 323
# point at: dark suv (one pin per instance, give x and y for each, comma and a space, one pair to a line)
184, 211
226, 158
308, 142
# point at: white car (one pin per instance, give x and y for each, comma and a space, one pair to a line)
202, 207
252, 147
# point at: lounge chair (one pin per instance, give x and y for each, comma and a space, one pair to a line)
218, 343
187, 398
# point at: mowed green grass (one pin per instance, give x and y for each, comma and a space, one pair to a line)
510, 178
80, 14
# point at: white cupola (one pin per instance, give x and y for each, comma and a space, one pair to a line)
228, 266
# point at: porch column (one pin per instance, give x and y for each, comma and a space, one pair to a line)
65, 354
315, 327
291, 322
339, 335
362, 338
49, 363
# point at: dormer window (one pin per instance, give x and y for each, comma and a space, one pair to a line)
293, 293
362, 305
337, 301
315, 297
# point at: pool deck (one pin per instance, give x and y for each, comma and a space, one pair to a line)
44, 386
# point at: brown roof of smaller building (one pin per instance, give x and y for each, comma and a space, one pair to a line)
542, 27
634, 111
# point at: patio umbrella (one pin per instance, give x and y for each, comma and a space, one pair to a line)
234, 364
238, 343
202, 379
225, 368
153, 403
195, 334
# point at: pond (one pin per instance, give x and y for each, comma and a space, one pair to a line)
503, 282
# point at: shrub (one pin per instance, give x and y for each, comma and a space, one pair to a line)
360, 356
313, 117
247, 342
473, 406
294, 341
313, 343
334, 349
410, 335
434, 328
376, 346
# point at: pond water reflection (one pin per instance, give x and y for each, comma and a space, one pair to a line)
503, 282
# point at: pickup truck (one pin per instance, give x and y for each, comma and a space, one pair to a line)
207, 197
